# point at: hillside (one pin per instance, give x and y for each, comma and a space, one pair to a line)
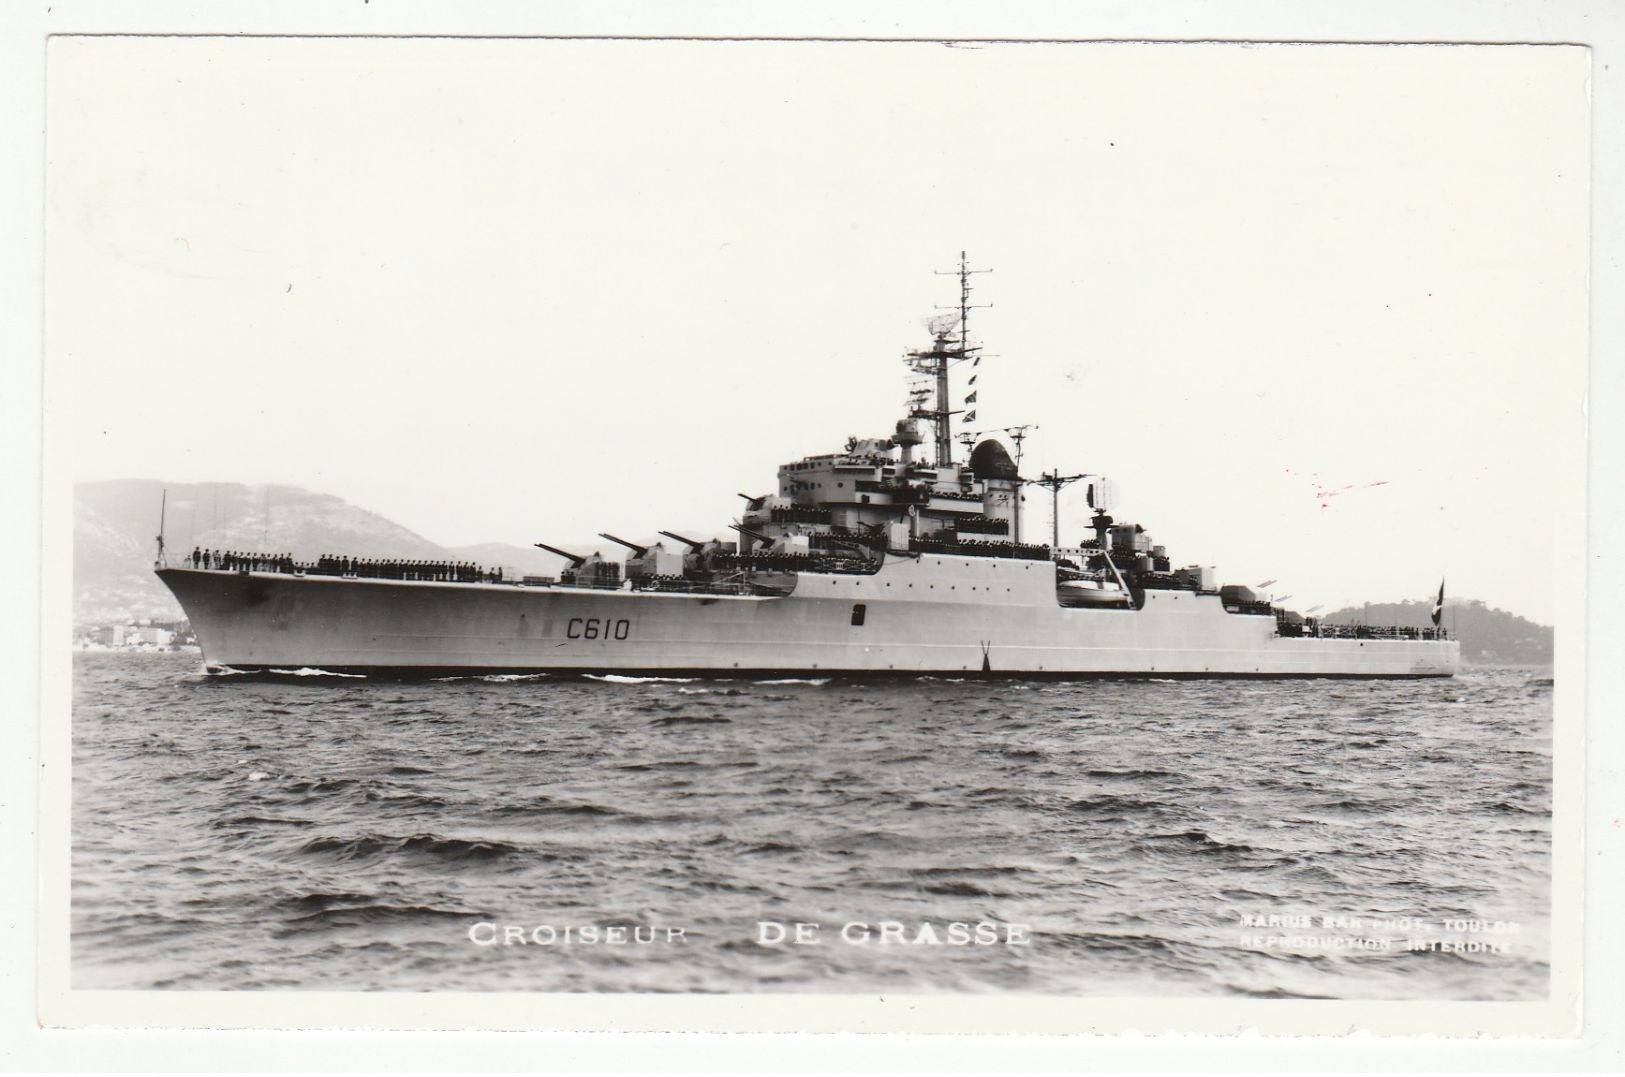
114, 525
1489, 637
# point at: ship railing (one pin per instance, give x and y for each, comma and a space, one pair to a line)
419, 570
799, 514
900, 493
679, 586
1250, 609
1164, 582
1398, 632
592, 583
971, 548
793, 562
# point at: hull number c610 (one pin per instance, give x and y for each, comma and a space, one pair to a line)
598, 628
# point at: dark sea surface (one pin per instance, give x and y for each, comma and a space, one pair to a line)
346, 834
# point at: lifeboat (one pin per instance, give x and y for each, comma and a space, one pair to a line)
1090, 593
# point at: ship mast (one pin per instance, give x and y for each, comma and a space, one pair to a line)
945, 352
163, 509
1055, 481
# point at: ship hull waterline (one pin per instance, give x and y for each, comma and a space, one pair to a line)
944, 615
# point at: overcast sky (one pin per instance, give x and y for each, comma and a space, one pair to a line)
1319, 311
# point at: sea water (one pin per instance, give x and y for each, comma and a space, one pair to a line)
1314, 838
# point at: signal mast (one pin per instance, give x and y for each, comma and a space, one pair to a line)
934, 364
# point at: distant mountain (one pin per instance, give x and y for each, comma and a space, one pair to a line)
1489, 637
115, 523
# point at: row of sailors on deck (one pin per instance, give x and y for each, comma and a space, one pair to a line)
443, 571
326, 565
234, 559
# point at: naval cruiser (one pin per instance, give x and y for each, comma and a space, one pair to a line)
885, 557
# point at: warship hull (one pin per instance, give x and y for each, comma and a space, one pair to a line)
914, 615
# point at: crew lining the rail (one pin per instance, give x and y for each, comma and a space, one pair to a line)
357, 567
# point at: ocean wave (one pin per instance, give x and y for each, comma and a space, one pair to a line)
1108, 803
695, 719
364, 908
621, 678
321, 785
1202, 841
767, 847
252, 821
432, 845
548, 806
815, 681
960, 888
401, 799
1127, 774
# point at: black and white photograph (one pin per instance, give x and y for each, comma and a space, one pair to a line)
1069, 534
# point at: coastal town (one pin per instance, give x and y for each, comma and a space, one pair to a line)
144, 634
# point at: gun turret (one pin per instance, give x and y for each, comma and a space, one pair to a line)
748, 533
754, 503
697, 547
637, 551
575, 560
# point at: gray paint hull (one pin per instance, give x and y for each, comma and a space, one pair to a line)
933, 614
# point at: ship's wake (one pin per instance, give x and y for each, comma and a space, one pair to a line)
311, 671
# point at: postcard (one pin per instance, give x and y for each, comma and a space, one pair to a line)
814, 535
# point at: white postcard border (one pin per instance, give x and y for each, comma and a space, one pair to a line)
62, 1007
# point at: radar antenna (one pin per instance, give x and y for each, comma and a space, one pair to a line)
1017, 434
965, 305
944, 352
1055, 481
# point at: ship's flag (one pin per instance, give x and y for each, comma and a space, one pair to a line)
1438, 605
970, 416
976, 360
971, 399
972, 380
